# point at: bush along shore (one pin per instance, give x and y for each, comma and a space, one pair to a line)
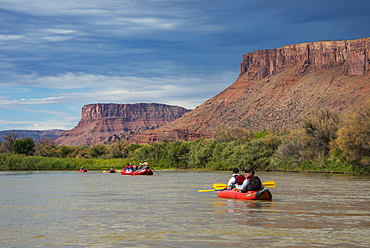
323, 143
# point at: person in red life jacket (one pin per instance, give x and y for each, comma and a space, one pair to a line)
236, 180
231, 182
251, 183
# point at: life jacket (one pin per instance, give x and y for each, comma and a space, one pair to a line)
254, 184
239, 179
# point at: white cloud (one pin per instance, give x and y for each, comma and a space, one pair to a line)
29, 118
44, 124
24, 101
56, 38
4, 37
59, 31
87, 88
52, 7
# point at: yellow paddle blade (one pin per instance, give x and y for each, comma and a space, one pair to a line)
219, 186
104, 171
269, 184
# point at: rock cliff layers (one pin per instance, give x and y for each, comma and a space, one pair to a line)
352, 55
112, 122
279, 88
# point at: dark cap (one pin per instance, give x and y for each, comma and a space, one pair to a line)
235, 170
249, 171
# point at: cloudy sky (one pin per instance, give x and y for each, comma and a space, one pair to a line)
59, 55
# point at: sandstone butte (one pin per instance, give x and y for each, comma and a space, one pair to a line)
275, 88
107, 123
279, 88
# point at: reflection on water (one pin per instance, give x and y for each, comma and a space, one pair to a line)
94, 209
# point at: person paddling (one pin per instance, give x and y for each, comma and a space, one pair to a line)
251, 183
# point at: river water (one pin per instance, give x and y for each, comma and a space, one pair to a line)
95, 209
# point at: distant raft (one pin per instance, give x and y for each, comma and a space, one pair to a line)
263, 194
142, 172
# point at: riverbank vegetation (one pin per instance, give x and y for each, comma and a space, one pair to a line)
324, 143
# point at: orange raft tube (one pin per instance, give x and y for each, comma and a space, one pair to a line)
263, 194
144, 172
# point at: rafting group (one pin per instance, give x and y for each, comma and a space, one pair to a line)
143, 169
242, 187
133, 169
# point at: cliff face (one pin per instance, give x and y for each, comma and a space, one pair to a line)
112, 122
278, 88
353, 56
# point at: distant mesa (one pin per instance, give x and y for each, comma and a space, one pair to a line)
34, 134
110, 122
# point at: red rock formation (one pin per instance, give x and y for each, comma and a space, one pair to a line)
111, 122
278, 88
354, 55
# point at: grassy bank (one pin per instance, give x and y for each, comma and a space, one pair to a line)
23, 162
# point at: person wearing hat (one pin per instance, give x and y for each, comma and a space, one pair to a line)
236, 180
251, 183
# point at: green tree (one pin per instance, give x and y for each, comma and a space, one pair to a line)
354, 137
318, 133
64, 151
45, 147
97, 150
224, 134
24, 146
201, 152
290, 149
178, 154
118, 149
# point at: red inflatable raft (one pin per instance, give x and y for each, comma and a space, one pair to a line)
263, 194
147, 172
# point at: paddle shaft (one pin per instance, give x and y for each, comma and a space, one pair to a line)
155, 171
208, 190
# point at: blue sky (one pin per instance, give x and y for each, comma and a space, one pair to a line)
57, 56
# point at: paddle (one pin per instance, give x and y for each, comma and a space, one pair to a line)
207, 190
222, 186
115, 171
268, 184
155, 171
